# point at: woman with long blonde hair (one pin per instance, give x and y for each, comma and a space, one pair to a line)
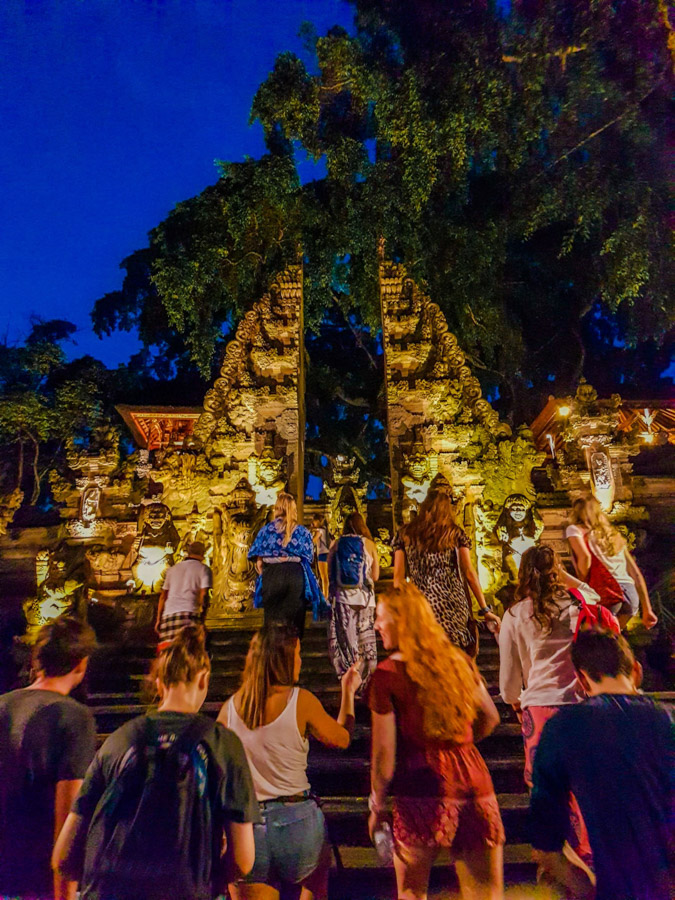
437, 555
283, 552
429, 705
273, 718
602, 559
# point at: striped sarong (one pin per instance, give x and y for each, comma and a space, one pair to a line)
171, 626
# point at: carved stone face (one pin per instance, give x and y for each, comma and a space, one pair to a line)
518, 507
156, 517
90, 501
269, 469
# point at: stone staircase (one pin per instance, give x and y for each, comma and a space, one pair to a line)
118, 689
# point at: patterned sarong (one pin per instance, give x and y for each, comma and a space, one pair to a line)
350, 635
171, 626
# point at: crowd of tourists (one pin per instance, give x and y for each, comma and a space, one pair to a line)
176, 805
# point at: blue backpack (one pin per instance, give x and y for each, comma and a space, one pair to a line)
349, 562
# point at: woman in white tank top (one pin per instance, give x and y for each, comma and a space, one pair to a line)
273, 718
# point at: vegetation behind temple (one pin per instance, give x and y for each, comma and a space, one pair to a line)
514, 162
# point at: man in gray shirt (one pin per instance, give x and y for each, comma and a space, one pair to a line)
47, 741
183, 599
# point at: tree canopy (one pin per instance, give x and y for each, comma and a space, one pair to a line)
512, 157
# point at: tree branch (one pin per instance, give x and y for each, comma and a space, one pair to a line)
598, 131
357, 336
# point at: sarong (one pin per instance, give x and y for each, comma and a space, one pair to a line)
351, 635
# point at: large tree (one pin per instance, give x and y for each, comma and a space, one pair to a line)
511, 156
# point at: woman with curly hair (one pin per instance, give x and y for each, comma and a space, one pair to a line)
429, 705
536, 673
602, 559
437, 555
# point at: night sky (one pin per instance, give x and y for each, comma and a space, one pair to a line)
112, 112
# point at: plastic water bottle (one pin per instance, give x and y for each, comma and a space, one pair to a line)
384, 844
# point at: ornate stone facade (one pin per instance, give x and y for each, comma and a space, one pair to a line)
438, 423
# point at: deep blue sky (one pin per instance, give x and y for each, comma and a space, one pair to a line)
112, 112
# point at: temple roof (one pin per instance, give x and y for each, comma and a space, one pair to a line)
650, 421
154, 427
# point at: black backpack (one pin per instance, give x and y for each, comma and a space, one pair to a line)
155, 833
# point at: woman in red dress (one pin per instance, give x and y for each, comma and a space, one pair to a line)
429, 705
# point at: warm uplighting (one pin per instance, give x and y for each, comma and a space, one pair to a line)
647, 437
564, 410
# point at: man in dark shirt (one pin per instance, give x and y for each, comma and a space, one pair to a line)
47, 740
616, 753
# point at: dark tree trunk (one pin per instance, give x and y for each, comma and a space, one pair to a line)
19, 468
36, 475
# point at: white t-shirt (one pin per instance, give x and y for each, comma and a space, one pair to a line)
616, 564
182, 584
535, 667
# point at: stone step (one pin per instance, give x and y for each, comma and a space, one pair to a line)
362, 875
331, 776
347, 818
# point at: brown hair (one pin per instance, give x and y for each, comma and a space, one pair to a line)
445, 676
356, 524
539, 578
433, 529
601, 654
270, 661
184, 658
286, 515
586, 511
61, 645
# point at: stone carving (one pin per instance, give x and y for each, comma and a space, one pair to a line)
432, 397
106, 567
438, 423
518, 528
258, 394
343, 491
58, 590
384, 551
265, 473
419, 469
152, 551
9, 503
595, 452
235, 526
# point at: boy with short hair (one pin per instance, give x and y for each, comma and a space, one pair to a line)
616, 752
47, 741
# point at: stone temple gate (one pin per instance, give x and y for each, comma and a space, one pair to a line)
213, 473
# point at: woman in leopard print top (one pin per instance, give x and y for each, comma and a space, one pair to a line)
437, 553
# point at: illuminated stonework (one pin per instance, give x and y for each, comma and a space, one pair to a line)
235, 525
438, 422
344, 492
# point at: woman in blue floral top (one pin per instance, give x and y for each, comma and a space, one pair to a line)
286, 587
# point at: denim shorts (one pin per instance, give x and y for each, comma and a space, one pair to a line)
631, 601
288, 844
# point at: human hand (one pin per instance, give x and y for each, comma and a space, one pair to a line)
649, 618
374, 820
495, 620
351, 680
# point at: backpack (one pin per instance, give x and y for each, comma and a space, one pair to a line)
153, 834
349, 562
592, 616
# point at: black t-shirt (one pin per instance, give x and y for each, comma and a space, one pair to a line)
235, 794
616, 753
45, 738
